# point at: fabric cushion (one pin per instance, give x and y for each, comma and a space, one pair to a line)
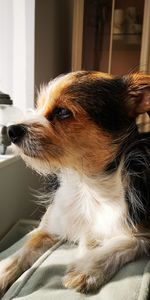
44, 279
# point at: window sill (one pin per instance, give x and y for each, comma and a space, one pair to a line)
6, 160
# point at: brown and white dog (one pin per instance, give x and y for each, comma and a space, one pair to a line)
84, 130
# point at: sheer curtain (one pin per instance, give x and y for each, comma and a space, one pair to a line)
17, 26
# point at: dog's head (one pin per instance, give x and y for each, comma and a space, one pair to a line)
80, 120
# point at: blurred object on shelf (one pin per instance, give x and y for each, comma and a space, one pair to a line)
118, 21
131, 14
133, 29
126, 27
4, 139
9, 114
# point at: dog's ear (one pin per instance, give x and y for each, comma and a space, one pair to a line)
138, 94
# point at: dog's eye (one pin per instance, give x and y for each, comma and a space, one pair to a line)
61, 113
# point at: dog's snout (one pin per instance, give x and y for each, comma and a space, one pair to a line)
16, 133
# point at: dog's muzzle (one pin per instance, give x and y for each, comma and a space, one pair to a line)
16, 133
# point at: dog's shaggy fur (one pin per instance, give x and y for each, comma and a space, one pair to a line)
84, 130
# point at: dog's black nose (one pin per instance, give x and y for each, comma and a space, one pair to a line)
16, 133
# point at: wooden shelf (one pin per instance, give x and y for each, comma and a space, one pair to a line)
126, 42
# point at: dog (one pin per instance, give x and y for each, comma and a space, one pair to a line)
84, 131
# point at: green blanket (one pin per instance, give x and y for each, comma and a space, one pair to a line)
43, 281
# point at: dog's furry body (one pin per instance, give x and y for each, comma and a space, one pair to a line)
85, 130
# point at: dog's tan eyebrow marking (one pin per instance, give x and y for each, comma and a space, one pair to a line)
52, 95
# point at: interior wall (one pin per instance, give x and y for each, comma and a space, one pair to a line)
18, 186
53, 39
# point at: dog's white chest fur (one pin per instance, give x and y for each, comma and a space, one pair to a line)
87, 208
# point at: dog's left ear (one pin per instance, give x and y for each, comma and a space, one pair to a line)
138, 94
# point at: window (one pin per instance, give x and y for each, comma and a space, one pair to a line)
17, 51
